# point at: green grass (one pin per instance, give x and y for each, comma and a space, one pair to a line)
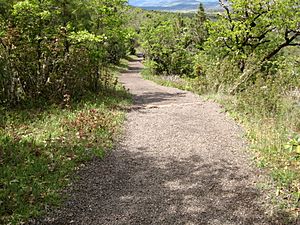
169, 81
40, 148
274, 139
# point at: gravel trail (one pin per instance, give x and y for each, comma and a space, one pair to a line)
181, 161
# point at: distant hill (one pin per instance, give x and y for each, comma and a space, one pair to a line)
175, 5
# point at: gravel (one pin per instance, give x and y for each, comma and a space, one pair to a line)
181, 161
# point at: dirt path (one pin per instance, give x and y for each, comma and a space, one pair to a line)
181, 162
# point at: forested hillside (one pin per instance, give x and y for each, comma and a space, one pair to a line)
175, 5
61, 102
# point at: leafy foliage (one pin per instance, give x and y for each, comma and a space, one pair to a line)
58, 45
251, 35
170, 42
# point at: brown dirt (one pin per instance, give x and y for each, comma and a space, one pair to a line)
181, 161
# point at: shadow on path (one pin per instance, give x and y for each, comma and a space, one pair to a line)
148, 96
131, 188
166, 170
156, 97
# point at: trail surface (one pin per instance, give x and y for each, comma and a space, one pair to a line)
181, 161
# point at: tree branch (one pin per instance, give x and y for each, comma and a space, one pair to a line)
288, 42
222, 3
248, 74
226, 44
294, 44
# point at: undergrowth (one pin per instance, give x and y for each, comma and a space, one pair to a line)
275, 141
40, 147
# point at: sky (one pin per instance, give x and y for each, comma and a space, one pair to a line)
164, 2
